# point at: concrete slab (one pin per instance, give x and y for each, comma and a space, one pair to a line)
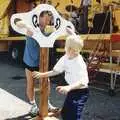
12, 107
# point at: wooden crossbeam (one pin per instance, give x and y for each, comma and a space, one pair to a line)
108, 66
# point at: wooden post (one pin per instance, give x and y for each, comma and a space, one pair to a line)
43, 105
44, 59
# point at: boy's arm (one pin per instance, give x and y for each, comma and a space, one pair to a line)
76, 85
70, 31
22, 25
38, 75
67, 88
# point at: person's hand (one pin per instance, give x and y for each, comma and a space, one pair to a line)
36, 75
29, 32
70, 31
63, 89
20, 24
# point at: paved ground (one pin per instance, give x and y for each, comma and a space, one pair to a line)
100, 106
11, 106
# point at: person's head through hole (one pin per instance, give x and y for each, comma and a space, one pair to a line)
44, 19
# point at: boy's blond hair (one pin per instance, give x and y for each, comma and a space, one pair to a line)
74, 42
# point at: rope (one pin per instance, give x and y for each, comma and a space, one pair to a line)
91, 65
98, 46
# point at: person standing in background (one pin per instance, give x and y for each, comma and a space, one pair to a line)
31, 60
84, 16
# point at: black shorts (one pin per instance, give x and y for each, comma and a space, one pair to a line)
31, 68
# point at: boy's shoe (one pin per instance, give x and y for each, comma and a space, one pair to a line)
34, 110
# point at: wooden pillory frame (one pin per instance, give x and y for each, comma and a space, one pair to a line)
43, 85
44, 50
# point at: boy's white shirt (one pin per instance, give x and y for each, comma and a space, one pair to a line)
75, 70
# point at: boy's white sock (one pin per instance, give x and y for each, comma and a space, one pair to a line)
33, 102
50, 106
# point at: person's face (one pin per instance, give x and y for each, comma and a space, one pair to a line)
70, 52
44, 20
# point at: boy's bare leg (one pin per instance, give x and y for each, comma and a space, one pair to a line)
30, 85
30, 93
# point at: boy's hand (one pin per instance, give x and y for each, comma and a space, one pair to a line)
63, 89
36, 75
20, 24
29, 32
70, 31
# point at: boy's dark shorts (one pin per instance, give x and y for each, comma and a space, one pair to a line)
31, 68
74, 104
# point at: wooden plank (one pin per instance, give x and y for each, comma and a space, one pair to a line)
115, 45
95, 37
4, 46
12, 38
116, 53
113, 66
91, 37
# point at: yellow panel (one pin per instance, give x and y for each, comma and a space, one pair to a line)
4, 27
3, 6
117, 17
63, 3
4, 30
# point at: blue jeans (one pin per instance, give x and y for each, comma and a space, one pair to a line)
74, 104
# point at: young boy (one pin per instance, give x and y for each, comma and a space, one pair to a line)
76, 76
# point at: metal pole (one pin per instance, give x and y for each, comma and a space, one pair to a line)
111, 72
